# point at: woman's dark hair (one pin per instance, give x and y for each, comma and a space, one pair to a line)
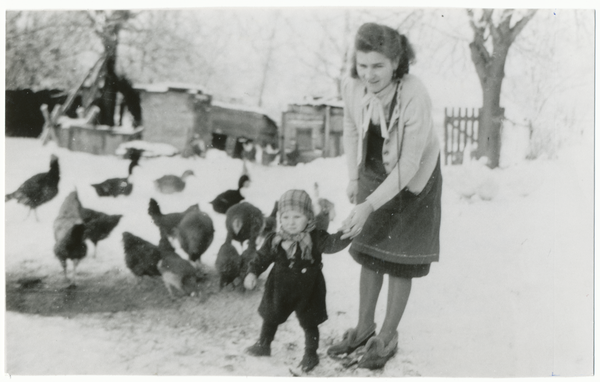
382, 39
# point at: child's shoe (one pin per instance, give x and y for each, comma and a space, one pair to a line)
259, 349
309, 361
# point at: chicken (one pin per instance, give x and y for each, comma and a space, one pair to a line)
270, 221
226, 199
326, 210
98, 225
177, 272
325, 215
228, 264
141, 257
244, 222
195, 233
167, 222
69, 234
170, 184
119, 186
39, 189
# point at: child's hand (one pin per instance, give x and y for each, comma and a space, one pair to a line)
250, 281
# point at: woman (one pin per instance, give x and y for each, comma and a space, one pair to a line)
395, 181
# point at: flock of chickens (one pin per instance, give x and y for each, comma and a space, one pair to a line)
193, 229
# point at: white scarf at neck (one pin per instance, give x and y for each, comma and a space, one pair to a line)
374, 105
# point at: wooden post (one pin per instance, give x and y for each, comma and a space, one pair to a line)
327, 130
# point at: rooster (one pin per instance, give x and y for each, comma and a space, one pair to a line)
119, 186
177, 272
69, 234
167, 223
39, 189
98, 225
195, 233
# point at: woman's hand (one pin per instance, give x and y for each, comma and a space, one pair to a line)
352, 190
250, 281
354, 223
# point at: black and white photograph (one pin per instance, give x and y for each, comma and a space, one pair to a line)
377, 190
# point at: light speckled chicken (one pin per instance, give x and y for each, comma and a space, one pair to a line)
170, 184
176, 272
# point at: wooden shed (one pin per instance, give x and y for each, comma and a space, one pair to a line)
312, 129
173, 112
228, 126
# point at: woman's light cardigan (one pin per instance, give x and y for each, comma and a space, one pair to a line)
411, 137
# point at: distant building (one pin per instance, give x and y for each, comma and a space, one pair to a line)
173, 112
312, 129
180, 114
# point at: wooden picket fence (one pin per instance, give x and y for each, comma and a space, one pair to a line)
460, 131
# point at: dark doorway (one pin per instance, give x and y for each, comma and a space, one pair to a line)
219, 141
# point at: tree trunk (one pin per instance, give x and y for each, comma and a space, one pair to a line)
490, 70
109, 34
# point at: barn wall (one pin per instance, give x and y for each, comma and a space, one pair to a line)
168, 117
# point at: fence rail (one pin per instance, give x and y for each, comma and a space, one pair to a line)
461, 127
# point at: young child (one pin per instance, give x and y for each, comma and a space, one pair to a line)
296, 283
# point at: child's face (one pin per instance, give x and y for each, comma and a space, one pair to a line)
293, 222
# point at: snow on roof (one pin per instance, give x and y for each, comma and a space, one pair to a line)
162, 87
334, 102
252, 109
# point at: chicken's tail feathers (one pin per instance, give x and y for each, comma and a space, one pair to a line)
9, 197
153, 208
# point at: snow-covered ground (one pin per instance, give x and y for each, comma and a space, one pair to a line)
512, 295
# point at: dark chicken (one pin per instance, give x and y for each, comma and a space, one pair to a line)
228, 264
39, 189
98, 225
195, 233
167, 222
229, 198
141, 257
244, 222
119, 186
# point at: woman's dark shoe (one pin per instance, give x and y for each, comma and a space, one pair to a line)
350, 342
309, 361
259, 349
377, 353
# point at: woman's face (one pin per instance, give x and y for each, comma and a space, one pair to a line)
293, 222
375, 70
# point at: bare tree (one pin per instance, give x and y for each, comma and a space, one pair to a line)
489, 63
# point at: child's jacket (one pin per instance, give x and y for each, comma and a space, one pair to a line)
295, 284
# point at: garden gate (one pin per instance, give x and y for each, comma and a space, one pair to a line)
460, 131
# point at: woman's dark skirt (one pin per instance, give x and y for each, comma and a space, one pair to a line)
401, 238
